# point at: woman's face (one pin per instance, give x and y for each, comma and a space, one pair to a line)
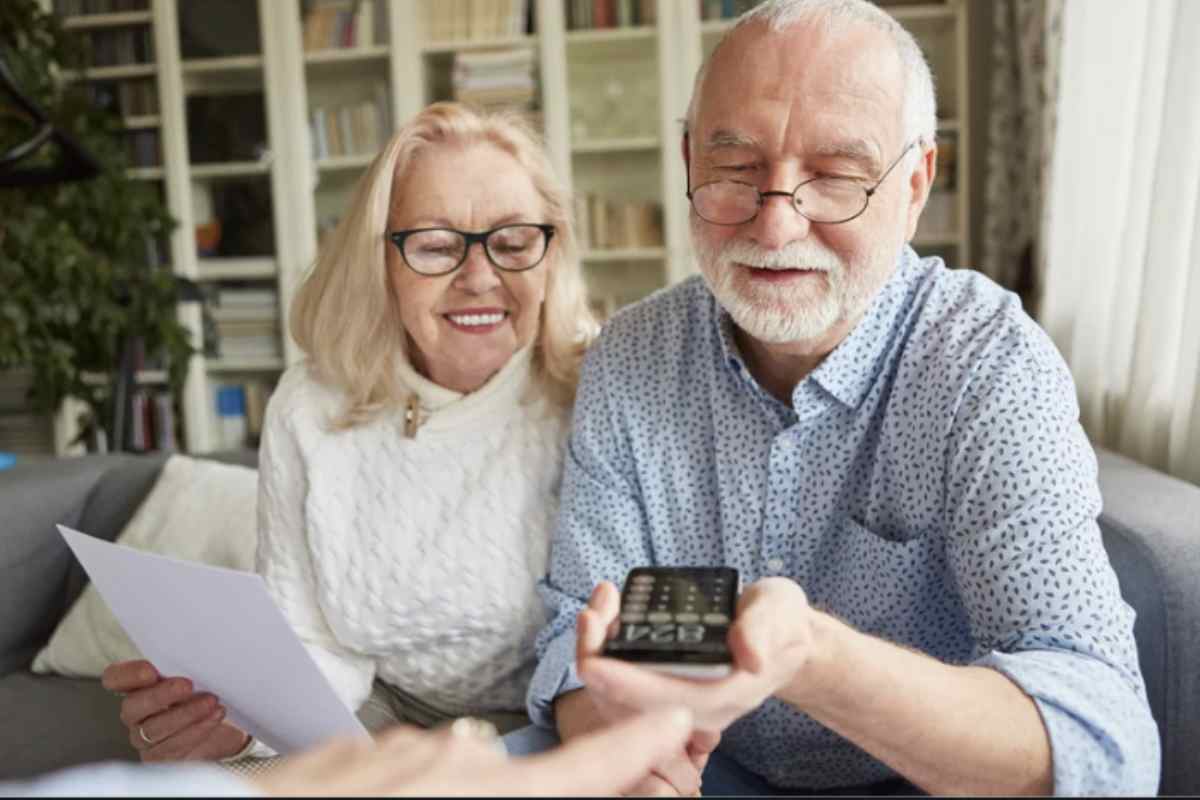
472, 189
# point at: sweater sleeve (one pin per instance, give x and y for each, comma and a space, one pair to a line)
284, 558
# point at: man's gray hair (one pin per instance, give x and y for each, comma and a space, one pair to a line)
920, 99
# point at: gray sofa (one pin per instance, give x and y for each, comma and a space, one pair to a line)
1151, 526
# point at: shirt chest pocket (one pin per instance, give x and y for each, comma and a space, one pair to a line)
878, 584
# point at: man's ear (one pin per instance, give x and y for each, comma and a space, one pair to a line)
920, 184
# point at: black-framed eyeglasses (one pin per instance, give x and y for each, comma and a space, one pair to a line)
440, 251
824, 199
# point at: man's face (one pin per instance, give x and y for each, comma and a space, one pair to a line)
777, 109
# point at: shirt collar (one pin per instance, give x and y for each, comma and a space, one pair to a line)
848, 372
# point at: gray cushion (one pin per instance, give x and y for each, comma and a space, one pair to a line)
51, 722
34, 559
1151, 528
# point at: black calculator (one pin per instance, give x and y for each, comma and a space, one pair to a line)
676, 620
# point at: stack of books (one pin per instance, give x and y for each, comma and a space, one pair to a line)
475, 20
336, 24
496, 79
351, 129
142, 148
152, 421
591, 14
603, 224
112, 47
247, 325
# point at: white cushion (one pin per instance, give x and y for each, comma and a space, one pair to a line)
198, 510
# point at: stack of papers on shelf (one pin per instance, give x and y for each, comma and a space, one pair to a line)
498, 79
248, 324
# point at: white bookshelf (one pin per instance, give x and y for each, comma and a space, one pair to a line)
655, 63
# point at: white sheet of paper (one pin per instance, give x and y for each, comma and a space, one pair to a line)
220, 628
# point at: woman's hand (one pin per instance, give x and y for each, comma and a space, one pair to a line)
407, 761
167, 720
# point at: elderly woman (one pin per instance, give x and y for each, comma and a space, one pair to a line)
409, 467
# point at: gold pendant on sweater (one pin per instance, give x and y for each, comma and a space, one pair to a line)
412, 416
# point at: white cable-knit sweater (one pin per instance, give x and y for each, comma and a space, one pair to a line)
414, 559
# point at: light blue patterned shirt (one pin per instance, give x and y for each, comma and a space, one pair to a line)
930, 485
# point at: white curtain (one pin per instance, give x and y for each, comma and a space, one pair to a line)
1121, 270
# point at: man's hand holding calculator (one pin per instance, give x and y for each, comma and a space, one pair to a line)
770, 639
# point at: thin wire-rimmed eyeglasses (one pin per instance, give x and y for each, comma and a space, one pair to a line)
440, 251
823, 199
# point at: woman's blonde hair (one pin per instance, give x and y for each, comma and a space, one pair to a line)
345, 316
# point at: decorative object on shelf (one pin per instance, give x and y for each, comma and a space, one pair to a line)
79, 273
208, 238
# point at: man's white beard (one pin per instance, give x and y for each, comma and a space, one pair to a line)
783, 312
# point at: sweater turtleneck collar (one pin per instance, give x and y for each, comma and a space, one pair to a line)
444, 409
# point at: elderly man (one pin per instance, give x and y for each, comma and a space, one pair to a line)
888, 451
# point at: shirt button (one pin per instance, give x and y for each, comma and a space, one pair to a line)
775, 564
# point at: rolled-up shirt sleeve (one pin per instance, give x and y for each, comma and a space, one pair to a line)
1037, 586
600, 534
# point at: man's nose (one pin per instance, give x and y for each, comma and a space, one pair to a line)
477, 274
778, 223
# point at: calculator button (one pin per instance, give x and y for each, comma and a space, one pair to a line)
716, 619
643, 580
687, 617
655, 617
633, 616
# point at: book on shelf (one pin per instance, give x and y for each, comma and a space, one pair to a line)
111, 47
339, 24
355, 129
239, 409
151, 422
601, 14
142, 148
724, 9
603, 224
475, 20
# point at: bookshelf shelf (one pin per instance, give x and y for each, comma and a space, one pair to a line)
347, 54
143, 377
338, 163
232, 169
84, 22
469, 45
142, 121
937, 240
922, 13
117, 72
231, 365
228, 64
218, 269
600, 146
145, 173
609, 35
626, 254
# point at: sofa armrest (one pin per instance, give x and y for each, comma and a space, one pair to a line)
34, 559
1151, 529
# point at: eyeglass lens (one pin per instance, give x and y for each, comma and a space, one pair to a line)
820, 200
513, 247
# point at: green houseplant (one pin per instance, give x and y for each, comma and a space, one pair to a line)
75, 282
